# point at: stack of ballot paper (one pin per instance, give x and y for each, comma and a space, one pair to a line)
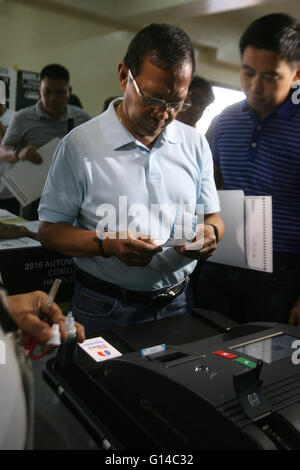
248, 241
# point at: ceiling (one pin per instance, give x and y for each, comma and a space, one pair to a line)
213, 25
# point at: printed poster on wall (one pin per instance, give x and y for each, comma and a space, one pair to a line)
27, 89
9, 76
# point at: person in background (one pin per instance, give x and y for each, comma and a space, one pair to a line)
134, 151
6, 116
201, 95
36, 125
256, 148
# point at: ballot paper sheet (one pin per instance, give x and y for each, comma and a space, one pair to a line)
26, 180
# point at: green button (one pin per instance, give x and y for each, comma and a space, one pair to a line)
245, 362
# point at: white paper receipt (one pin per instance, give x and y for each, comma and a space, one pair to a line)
183, 231
99, 349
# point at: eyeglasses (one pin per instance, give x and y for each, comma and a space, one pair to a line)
152, 102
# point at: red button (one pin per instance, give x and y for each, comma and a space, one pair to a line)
225, 354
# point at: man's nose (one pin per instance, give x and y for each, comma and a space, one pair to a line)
257, 85
161, 112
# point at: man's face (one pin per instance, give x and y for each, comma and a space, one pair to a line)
199, 102
54, 95
266, 79
146, 122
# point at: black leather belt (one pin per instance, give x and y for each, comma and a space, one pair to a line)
158, 297
282, 260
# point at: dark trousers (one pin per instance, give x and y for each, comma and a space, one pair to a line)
97, 311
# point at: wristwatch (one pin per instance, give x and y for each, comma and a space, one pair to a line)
216, 231
16, 151
100, 247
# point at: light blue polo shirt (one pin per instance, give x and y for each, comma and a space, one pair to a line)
100, 168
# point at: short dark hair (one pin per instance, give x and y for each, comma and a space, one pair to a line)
277, 32
200, 82
164, 44
56, 72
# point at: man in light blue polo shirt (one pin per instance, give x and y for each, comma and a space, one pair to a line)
256, 147
108, 175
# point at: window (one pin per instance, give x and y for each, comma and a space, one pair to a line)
223, 98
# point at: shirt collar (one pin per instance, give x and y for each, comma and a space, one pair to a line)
286, 110
42, 114
172, 133
118, 136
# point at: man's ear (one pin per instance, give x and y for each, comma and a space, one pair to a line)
296, 74
123, 75
70, 90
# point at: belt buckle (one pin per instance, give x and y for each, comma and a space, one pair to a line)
166, 297
163, 299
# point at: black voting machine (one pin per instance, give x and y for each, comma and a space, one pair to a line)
217, 385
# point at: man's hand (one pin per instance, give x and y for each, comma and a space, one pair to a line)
16, 231
203, 246
25, 310
132, 248
30, 153
295, 314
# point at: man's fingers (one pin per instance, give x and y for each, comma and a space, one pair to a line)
80, 334
39, 329
144, 245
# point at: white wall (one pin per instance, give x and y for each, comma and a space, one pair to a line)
31, 38
91, 49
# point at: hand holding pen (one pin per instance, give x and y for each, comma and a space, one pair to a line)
35, 313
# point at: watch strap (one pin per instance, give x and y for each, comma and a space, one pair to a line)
100, 247
216, 230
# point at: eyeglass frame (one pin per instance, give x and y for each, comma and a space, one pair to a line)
160, 102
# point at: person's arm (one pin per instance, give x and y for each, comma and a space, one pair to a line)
294, 318
133, 249
209, 238
13, 148
10, 154
67, 239
11, 231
